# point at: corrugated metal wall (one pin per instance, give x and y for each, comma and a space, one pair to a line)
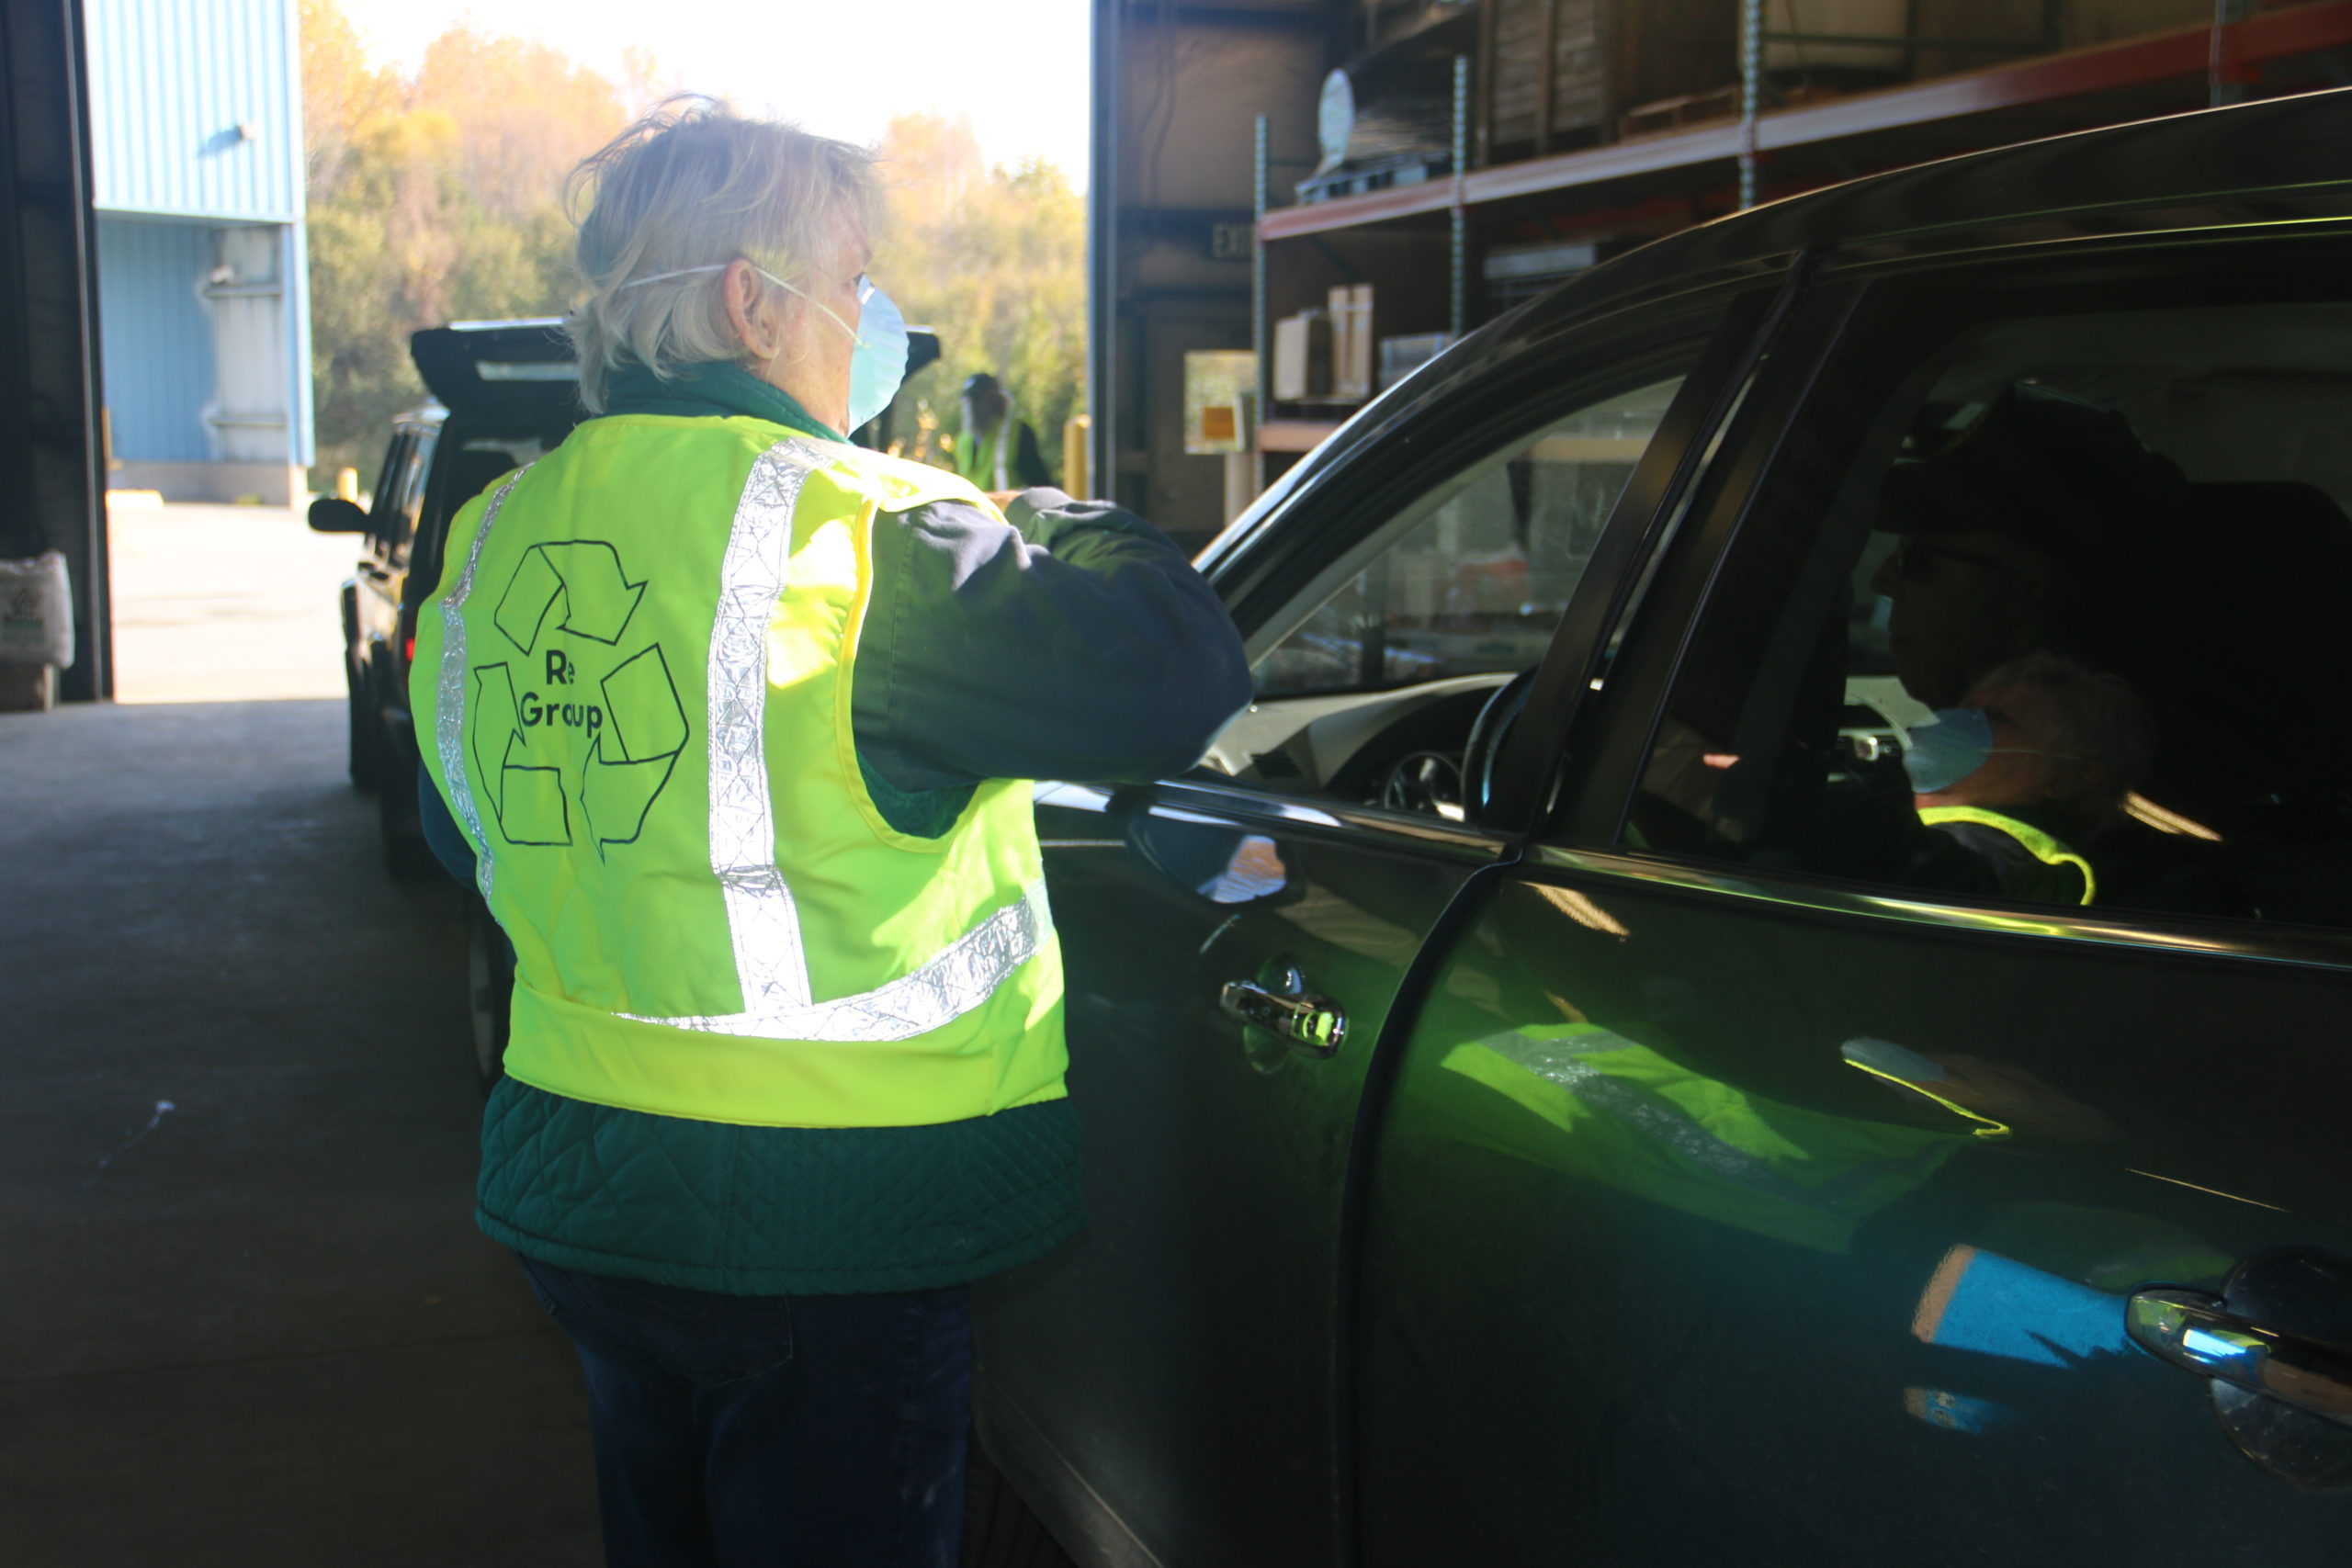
159, 371
251, 394
171, 83
196, 115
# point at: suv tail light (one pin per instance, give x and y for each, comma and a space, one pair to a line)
408, 637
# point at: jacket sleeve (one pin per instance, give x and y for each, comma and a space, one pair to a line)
1072, 642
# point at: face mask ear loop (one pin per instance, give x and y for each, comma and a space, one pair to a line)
812, 299
690, 271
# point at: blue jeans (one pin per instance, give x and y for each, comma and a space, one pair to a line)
775, 1431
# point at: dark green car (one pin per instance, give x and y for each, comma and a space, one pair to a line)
1576, 1078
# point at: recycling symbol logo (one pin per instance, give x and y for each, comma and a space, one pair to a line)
574, 741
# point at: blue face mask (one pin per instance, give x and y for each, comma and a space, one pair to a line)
879, 362
1951, 745
876, 364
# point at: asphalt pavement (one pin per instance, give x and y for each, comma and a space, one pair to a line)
244, 1316
225, 603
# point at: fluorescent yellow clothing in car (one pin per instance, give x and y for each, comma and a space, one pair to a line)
2030, 863
636, 696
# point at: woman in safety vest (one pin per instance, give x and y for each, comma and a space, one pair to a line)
735, 719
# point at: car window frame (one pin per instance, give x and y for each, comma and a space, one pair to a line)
1511, 403
1667, 487
1594, 787
383, 503
412, 501
392, 512
428, 544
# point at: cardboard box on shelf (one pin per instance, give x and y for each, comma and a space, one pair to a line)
1303, 358
1352, 343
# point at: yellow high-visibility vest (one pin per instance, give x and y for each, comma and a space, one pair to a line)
633, 688
985, 456
2034, 841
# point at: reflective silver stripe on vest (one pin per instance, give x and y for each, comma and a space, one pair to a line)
763, 920
942, 990
449, 706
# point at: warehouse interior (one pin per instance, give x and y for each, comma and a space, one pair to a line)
1337, 189
1295, 203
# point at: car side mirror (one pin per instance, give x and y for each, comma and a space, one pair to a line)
1221, 864
333, 514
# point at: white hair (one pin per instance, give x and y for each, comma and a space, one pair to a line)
674, 198
2097, 718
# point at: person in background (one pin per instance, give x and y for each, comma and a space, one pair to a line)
2034, 762
994, 450
733, 721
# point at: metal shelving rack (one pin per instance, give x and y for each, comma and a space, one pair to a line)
1648, 184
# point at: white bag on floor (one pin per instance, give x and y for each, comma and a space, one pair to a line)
36, 611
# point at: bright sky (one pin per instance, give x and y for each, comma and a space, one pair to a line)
1017, 72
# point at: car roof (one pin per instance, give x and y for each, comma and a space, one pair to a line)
2301, 144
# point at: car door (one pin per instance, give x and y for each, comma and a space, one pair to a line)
392, 519
1236, 939
370, 575
1748, 1195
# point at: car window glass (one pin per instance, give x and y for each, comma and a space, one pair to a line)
1483, 571
383, 504
399, 492
2060, 630
1371, 693
477, 462
470, 464
412, 495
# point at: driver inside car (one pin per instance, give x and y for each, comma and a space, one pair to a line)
2042, 524
2030, 768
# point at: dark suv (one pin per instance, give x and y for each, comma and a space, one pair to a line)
503, 392
1570, 1081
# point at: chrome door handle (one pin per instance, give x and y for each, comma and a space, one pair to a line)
2194, 1330
1286, 1006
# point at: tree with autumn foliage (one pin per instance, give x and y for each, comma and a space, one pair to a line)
992, 259
433, 198
438, 198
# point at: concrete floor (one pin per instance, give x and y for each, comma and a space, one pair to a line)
257, 1328
221, 603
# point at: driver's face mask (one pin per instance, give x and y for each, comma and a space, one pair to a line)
876, 364
1950, 746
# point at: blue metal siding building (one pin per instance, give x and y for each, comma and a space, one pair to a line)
195, 130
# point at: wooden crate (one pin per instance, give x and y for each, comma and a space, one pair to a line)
1557, 73
1546, 85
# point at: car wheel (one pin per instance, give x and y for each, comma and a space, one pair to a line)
1000, 1531
490, 991
365, 748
